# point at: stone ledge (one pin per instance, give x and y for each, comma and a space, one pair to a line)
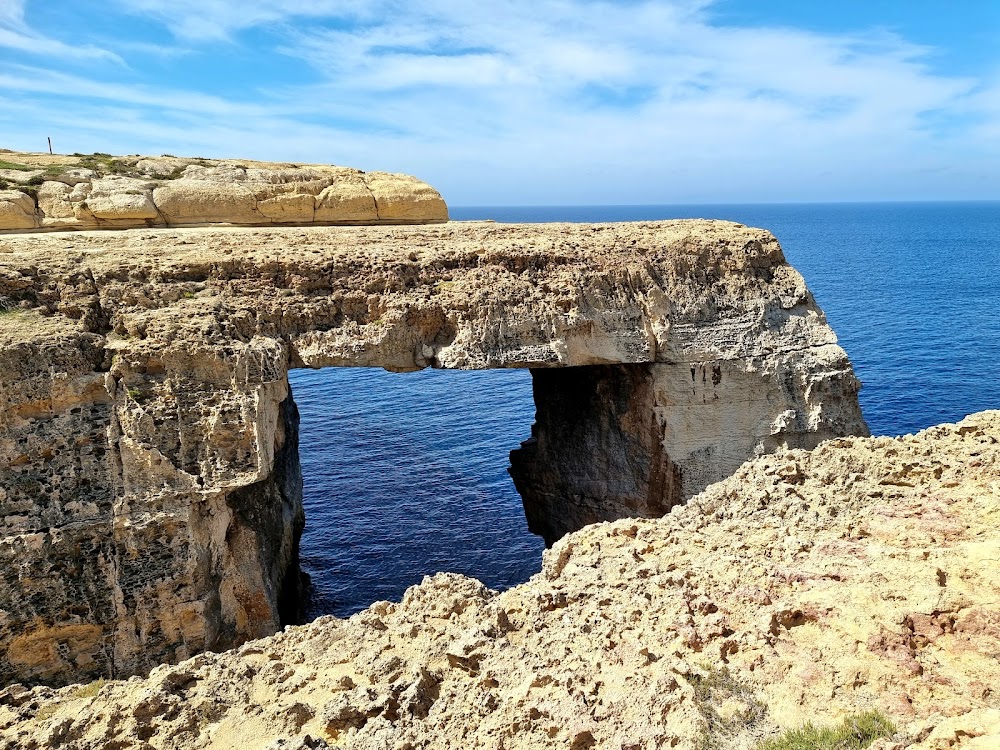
47, 192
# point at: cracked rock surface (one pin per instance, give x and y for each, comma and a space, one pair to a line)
104, 192
150, 493
808, 586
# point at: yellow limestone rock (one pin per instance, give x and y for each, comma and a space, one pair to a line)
17, 210
403, 198
121, 199
150, 483
100, 191
809, 586
349, 198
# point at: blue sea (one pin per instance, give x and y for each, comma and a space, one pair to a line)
406, 474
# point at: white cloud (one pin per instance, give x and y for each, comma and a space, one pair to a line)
15, 34
561, 101
12, 13
211, 20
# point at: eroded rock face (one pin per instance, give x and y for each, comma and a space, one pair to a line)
596, 451
807, 587
104, 192
149, 493
616, 441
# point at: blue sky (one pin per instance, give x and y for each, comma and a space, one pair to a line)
522, 102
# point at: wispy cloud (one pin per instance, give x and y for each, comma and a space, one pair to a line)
15, 34
35, 80
554, 100
213, 20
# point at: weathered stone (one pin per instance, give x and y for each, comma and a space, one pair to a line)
102, 192
348, 199
122, 201
403, 198
17, 210
807, 587
150, 484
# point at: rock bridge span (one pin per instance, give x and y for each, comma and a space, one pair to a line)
150, 489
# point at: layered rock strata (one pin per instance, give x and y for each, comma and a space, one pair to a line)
149, 487
41, 191
807, 587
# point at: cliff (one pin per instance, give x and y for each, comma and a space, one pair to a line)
808, 586
99, 191
150, 495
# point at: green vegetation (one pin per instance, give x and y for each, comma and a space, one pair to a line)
713, 689
853, 733
173, 174
90, 689
104, 164
100, 162
86, 690
16, 167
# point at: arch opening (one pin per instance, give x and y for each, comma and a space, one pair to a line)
405, 475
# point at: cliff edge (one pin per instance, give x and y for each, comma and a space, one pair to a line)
808, 586
100, 191
150, 490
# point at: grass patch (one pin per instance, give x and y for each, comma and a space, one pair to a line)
87, 690
50, 170
136, 395
105, 164
101, 163
17, 167
90, 689
716, 687
173, 174
853, 733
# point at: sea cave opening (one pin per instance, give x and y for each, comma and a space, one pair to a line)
405, 475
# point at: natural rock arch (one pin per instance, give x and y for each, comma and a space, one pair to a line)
149, 439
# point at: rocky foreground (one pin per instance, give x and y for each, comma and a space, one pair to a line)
808, 586
100, 191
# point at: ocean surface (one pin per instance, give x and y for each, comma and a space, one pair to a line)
406, 474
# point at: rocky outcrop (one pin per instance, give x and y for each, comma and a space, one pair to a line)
149, 492
808, 586
104, 192
610, 442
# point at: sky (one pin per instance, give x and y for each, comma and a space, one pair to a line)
530, 102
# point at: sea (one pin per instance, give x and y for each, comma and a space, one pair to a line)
405, 475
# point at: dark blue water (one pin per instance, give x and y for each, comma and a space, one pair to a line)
405, 475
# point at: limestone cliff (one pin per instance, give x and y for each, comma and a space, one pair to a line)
808, 586
42, 191
149, 489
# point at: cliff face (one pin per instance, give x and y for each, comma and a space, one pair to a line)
610, 442
807, 587
42, 191
150, 492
